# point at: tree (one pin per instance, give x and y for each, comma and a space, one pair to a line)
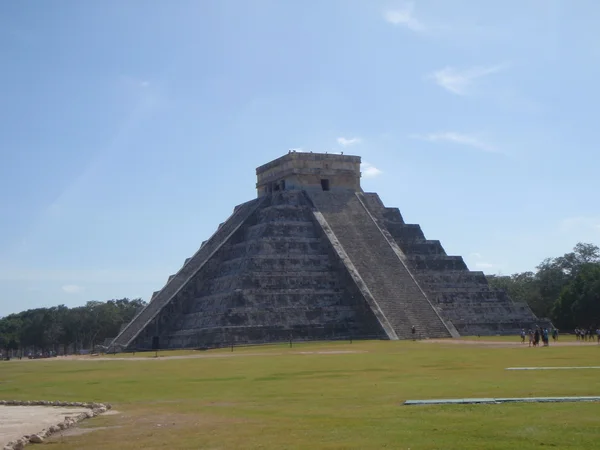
579, 302
550, 280
82, 327
541, 290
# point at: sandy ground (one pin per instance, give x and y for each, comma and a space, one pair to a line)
162, 356
205, 355
517, 343
17, 421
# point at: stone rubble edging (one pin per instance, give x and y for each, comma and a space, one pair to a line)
68, 422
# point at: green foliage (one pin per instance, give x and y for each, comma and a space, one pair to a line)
543, 290
579, 301
82, 327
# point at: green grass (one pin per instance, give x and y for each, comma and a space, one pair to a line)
285, 400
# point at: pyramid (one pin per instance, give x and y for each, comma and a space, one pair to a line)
313, 257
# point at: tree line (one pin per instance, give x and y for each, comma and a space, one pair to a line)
566, 288
61, 328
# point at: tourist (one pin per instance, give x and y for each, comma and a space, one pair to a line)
554, 334
522, 335
536, 337
545, 338
530, 333
413, 331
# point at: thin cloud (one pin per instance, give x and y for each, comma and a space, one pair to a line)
460, 82
580, 223
368, 170
458, 138
345, 142
405, 17
480, 263
73, 289
80, 277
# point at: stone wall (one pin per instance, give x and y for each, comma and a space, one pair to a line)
312, 264
142, 321
304, 171
463, 297
275, 277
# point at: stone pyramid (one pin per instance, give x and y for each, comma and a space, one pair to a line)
314, 257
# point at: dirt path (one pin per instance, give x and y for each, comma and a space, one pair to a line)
17, 421
484, 343
198, 356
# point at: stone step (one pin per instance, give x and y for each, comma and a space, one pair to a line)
223, 335
282, 316
399, 297
276, 263
379, 210
403, 233
287, 198
451, 278
423, 248
464, 297
281, 229
393, 215
285, 213
437, 262
276, 246
271, 280
181, 278
274, 297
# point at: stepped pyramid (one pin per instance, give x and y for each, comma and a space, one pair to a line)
315, 257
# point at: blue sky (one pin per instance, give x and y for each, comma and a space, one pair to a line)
129, 130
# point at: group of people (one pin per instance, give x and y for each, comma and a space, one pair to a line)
539, 334
542, 334
587, 335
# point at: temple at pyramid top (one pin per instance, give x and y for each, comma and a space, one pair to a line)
310, 172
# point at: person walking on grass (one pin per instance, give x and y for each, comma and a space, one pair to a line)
530, 333
413, 330
522, 335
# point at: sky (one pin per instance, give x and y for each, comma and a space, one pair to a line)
129, 130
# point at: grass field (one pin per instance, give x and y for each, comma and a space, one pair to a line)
275, 397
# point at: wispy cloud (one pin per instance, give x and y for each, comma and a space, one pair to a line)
480, 263
454, 137
345, 142
581, 223
368, 170
461, 81
73, 289
79, 277
404, 16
